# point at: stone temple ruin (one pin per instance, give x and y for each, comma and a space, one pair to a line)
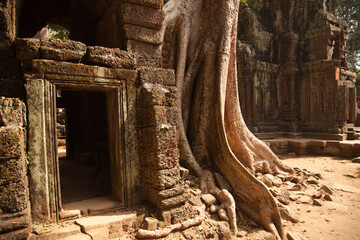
294, 78
96, 116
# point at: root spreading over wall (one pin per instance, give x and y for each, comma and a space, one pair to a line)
213, 134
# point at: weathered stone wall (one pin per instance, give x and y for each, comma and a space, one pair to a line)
259, 108
152, 167
327, 86
133, 26
57, 63
292, 70
10, 86
14, 194
326, 102
159, 153
130, 25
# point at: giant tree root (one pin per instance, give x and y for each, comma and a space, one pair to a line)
211, 128
223, 196
159, 233
286, 214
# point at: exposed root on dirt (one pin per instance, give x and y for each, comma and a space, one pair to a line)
286, 214
207, 185
159, 233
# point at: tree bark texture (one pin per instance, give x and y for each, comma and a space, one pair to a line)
213, 134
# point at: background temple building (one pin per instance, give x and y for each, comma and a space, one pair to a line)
96, 116
292, 68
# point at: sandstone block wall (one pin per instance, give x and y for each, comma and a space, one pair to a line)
134, 26
14, 193
128, 32
153, 121
15, 219
159, 153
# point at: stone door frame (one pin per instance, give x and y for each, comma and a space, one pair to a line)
46, 77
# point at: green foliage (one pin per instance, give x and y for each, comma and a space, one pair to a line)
44, 224
27, 159
1, 7
349, 10
58, 32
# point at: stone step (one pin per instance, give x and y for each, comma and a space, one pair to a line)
56, 232
300, 146
356, 129
325, 136
107, 227
352, 135
356, 136
352, 129
93, 205
89, 228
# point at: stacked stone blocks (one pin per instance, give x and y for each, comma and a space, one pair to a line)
159, 153
142, 24
14, 214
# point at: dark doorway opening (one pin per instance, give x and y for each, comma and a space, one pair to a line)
83, 145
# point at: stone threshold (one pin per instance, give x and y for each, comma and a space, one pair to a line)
90, 206
110, 226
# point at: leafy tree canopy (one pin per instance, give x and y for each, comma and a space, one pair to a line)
349, 10
57, 31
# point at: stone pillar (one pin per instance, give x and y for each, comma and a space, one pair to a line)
288, 44
159, 153
14, 193
289, 97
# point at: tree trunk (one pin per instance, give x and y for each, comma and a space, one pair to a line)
213, 134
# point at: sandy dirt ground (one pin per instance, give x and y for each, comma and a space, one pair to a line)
320, 215
338, 219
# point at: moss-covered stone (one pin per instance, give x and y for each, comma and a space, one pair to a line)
110, 57
12, 171
13, 197
14, 222
27, 48
12, 112
155, 94
62, 50
11, 142
156, 75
